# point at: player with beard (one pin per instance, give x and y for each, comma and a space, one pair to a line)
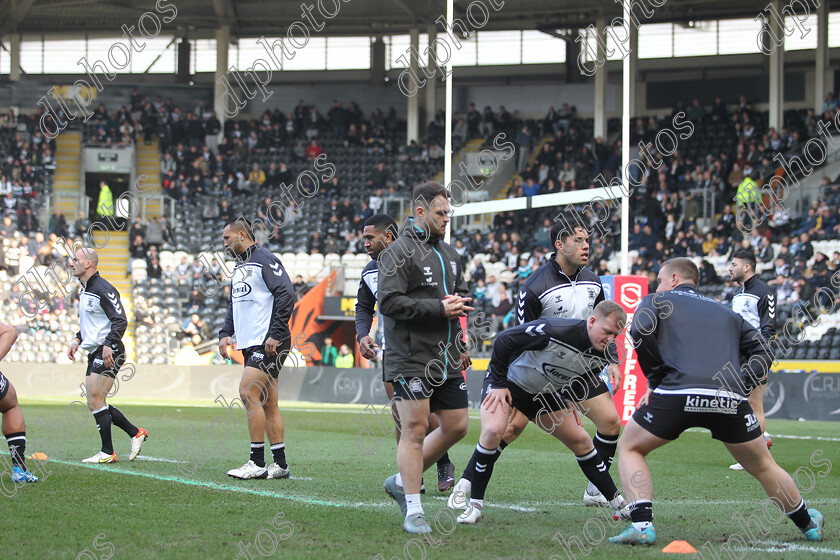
756, 303
563, 287
380, 230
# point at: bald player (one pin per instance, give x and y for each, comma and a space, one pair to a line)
102, 325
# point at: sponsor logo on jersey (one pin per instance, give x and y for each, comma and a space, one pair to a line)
752, 422
115, 301
724, 405
463, 386
415, 386
454, 266
240, 289
275, 268
257, 355
3, 382
648, 417
591, 292
557, 372
97, 362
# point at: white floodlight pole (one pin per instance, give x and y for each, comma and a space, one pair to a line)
625, 146
447, 147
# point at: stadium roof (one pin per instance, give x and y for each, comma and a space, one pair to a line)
254, 18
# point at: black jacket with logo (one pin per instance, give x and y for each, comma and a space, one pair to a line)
415, 273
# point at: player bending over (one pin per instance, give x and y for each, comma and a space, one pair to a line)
102, 324
530, 364
14, 428
262, 299
380, 230
564, 287
689, 348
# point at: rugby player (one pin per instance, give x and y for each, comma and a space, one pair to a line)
380, 230
756, 303
689, 347
421, 297
102, 324
14, 427
530, 366
262, 299
563, 287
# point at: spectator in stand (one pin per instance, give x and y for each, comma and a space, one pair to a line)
531, 188
195, 325
523, 145
58, 224
379, 177
153, 268
300, 287
314, 150
338, 119
328, 353
488, 122
256, 176
138, 248
473, 121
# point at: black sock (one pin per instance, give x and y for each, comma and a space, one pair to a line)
800, 516
120, 421
279, 452
258, 453
596, 471
483, 461
641, 511
606, 447
103, 424
17, 448
503, 444
443, 461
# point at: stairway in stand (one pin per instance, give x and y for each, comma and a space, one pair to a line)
113, 263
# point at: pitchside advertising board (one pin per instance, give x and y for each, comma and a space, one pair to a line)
628, 292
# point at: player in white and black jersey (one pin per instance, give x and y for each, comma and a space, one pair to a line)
102, 324
531, 365
756, 303
262, 299
380, 230
563, 287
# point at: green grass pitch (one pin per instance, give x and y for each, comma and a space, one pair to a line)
334, 505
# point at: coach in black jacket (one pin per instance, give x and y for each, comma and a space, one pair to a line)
421, 297
690, 349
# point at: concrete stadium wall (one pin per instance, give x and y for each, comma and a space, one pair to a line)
809, 394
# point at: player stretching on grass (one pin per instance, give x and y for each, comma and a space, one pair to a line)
689, 348
563, 287
262, 299
102, 324
14, 428
531, 365
379, 232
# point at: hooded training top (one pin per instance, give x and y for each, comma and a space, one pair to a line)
262, 299
756, 303
548, 292
102, 317
366, 301
415, 273
690, 344
545, 356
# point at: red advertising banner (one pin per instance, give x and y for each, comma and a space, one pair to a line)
628, 292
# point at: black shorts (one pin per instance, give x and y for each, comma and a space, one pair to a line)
97, 365
256, 357
529, 404
581, 389
4, 386
447, 395
729, 420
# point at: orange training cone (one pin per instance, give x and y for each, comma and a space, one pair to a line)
679, 547
39, 456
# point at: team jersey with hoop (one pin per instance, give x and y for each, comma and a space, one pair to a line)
366, 301
102, 317
549, 292
756, 303
545, 356
262, 299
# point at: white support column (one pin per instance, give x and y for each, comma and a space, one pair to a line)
447, 147
413, 116
222, 45
777, 70
821, 57
14, 57
628, 81
431, 83
601, 82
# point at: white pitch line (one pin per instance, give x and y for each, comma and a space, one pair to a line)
158, 459
777, 546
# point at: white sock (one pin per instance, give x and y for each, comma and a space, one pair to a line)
477, 503
398, 480
642, 525
464, 484
412, 504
